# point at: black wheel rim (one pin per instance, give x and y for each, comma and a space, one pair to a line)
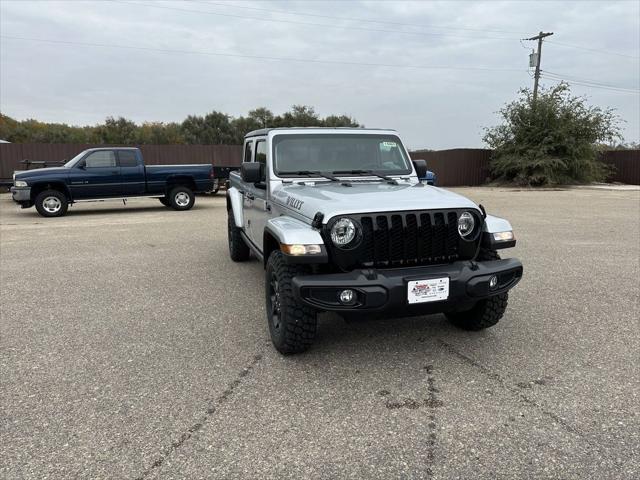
274, 303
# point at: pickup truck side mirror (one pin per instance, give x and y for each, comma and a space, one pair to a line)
421, 168
250, 172
82, 166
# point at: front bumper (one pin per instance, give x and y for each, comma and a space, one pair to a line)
20, 194
387, 290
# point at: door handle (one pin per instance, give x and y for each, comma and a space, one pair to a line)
250, 196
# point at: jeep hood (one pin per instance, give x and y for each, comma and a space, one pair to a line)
335, 199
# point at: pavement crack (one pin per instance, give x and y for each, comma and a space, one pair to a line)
513, 389
212, 405
432, 402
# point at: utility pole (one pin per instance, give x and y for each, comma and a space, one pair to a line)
536, 77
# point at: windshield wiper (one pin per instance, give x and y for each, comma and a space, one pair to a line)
390, 180
313, 173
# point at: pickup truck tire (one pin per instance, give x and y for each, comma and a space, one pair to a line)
485, 313
181, 198
238, 250
164, 201
292, 325
51, 203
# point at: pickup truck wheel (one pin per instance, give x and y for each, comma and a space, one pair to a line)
292, 325
238, 250
164, 201
181, 198
485, 313
51, 203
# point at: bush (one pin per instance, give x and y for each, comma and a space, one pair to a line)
557, 140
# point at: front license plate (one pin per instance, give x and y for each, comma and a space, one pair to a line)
432, 290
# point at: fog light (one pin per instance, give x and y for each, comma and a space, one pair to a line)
347, 296
493, 282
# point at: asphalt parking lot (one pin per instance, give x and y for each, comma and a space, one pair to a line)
132, 347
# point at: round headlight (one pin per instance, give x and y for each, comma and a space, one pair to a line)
343, 232
466, 222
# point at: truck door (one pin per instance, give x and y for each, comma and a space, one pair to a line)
131, 173
95, 176
256, 213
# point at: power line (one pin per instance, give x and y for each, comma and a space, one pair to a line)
324, 25
594, 50
262, 57
593, 85
353, 19
578, 79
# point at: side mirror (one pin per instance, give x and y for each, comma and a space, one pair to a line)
250, 172
421, 168
82, 166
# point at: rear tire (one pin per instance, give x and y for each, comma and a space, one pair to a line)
485, 313
238, 250
292, 325
181, 198
51, 203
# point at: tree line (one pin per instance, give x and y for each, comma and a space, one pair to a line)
211, 129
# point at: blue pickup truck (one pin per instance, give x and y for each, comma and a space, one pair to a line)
109, 173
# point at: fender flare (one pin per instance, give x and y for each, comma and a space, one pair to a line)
496, 224
234, 202
288, 230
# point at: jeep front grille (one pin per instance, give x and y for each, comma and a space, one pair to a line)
397, 239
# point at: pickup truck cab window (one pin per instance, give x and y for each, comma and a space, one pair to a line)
100, 159
248, 151
339, 153
127, 158
261, 158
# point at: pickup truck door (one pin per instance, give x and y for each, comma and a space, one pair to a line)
96, 175
256, 209
132, 174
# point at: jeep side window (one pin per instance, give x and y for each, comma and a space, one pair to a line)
261, 157
248, 151
102, 158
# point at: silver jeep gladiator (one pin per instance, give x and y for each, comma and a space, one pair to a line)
342, 223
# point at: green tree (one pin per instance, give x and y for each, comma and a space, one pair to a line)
554, 141
263, 116
117, 131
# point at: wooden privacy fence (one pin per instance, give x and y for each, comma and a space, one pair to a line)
457, 167
469, 166
11, 154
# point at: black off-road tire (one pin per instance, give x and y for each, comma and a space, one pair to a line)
181, 198
164, 201
292, 325
485, 313
51, 203
238, 250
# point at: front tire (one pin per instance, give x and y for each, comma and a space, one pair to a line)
485, 313
238, 250
292, 325
181, 198
51, 203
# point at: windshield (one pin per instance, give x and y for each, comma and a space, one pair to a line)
339, 154
72, 162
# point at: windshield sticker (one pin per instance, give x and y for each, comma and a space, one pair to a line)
389, 144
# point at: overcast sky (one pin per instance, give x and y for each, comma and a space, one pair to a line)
384, 55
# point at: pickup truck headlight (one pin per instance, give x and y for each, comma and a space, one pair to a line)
344, 232
466, 224
19, 183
